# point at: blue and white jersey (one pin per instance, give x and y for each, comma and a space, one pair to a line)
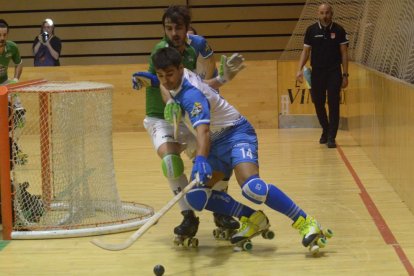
200, 45
203, 52
203, 105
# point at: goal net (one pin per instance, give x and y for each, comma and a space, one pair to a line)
381, 33
62, 172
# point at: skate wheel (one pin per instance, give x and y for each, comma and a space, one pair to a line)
216, 234
322, 242
187, 242
176, 241
247, 246
268, 235
194, 242
328, 233
314, 249
225, 235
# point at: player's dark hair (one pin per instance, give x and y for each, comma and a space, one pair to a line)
3, 24
166, 57
177, 15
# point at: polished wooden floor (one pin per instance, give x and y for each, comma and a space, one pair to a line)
340, 187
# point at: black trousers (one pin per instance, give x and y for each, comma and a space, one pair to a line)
327, 82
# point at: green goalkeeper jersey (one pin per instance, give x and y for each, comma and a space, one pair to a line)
11, 52
154, 103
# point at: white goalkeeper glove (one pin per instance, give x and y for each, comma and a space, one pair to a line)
230, 67
144, 79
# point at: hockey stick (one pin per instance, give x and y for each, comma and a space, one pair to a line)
175, 126
127, 243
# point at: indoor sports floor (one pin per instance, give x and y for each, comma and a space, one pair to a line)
340, 187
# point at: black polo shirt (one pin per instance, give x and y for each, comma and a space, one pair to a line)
325, 43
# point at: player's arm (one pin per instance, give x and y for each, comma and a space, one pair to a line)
201, 169
197, 107
203, 139
207, 67
18, 69
206, 63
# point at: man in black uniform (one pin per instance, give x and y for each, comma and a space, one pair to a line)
327, 42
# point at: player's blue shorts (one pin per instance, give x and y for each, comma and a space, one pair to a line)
237, 145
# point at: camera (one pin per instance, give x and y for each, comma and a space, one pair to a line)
45, 36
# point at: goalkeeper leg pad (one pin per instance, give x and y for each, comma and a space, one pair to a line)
172, 166
255, 189
198, 197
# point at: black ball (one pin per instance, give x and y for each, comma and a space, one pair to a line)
159, 270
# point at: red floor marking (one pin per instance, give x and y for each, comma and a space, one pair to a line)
382, 226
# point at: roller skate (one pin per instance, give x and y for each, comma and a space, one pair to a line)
185, 232
313, 235
226, 227
256, 224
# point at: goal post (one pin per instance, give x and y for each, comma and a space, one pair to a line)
61, 180
5, 191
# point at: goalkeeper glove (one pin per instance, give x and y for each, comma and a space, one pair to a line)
230, 67
144, 79
172, 110
202, 171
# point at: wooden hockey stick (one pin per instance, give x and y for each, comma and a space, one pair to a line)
127, 243
175, 122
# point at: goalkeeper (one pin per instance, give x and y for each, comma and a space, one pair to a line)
176, 21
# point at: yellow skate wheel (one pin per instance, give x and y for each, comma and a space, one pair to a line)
216, 233
187, 242
322, 242
268, 235
194, 242
247, 245
328, 233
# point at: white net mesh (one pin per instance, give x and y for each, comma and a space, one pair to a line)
381, 33
62, 166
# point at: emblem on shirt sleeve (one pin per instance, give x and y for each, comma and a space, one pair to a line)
347, 36
208, 48
197, 109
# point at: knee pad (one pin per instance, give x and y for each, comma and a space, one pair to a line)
255, 190
197, 198
172, 166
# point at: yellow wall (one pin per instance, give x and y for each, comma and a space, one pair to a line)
381, 120
286, 82
125, 31
254, 93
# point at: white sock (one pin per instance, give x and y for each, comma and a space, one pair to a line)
177, 185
